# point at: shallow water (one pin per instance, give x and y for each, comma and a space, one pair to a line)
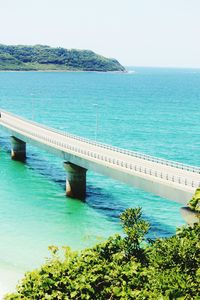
154, 111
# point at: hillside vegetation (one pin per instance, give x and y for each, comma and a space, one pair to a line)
123, 267
35, 58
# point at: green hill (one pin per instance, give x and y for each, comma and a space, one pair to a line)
35, 58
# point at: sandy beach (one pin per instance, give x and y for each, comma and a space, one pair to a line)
8, 281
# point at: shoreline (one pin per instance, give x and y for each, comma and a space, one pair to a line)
8, 281
60, 71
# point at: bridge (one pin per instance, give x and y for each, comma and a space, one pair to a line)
168, 179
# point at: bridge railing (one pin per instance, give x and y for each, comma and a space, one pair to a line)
63, 146
134, 154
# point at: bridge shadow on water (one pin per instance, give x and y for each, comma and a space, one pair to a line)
111, 206
109, 202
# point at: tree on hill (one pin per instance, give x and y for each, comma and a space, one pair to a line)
47, 58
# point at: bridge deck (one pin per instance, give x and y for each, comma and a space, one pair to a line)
175, 181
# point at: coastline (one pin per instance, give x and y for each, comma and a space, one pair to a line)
60, 71
9, 279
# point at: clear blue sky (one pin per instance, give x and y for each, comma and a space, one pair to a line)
136, 32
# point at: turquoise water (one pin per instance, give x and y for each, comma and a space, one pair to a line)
154, 111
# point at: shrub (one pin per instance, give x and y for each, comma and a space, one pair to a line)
194, 203
128, 267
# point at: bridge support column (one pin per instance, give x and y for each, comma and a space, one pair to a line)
76, 181
18, 149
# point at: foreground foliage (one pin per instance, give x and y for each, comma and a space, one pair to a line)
39, 57
194, 203
128, 267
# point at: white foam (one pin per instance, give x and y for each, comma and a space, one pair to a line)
131, 72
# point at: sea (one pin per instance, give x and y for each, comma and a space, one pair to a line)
150, 110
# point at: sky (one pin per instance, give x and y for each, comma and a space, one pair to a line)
160, 33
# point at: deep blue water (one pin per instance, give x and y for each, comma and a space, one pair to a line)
154, 111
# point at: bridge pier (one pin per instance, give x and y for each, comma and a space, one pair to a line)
76, 181
18, 149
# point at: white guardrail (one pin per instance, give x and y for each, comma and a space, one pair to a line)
110, 160
113, 148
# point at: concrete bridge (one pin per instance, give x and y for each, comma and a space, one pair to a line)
168, 179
